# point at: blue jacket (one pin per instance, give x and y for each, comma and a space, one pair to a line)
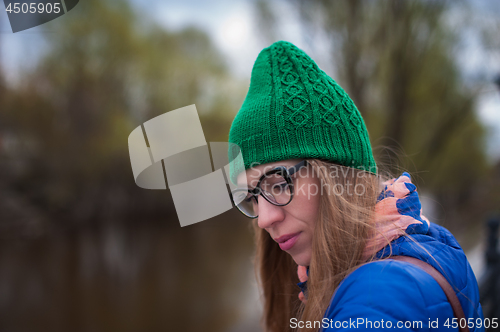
391, 293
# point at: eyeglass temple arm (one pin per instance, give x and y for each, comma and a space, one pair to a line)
295, 168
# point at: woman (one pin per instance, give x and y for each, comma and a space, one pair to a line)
322, 210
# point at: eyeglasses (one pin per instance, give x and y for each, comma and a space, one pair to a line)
276, 186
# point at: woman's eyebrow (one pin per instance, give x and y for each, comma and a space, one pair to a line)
288, 167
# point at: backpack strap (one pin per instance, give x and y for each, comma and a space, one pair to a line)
458, 312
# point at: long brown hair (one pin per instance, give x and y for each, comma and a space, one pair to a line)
340, 236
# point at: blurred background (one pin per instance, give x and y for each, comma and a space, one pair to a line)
82, 248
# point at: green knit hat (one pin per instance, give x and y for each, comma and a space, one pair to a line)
293, 110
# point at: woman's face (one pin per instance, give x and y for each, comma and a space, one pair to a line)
292, 225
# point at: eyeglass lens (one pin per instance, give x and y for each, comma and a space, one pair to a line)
274, 187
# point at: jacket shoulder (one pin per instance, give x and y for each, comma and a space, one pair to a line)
390, 290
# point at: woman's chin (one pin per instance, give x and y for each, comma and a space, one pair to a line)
302, 259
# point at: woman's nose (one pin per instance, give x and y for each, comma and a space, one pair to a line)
269, 213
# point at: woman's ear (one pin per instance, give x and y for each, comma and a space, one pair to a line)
302, 273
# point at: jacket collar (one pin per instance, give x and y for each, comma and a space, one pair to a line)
397, 211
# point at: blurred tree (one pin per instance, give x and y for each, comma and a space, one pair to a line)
101, 78
107, 70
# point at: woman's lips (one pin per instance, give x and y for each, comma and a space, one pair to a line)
286, 242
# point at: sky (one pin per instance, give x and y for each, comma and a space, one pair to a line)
233, 28
231, 24
482, 67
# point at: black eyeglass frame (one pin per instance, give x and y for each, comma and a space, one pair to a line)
281, 170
